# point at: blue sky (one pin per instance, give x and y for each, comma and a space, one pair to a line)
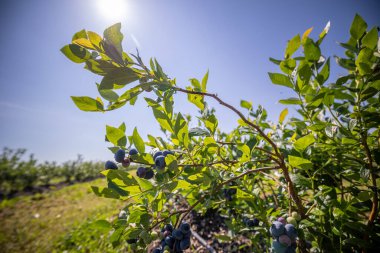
233, 39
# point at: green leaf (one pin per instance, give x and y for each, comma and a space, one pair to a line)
162, 119
323, 33
81, 34
95, 39
287, 66
363, 61
118, 78
370, 39
277, 62
345, 63
105, 192
138, 141
311, 50
290, 101
84, 43
144, 184
292, 46
300, 180
171, 162
280, 79
204, 82
246, 153
113, 35
299, 162
358, 27
325, 73
283, 115
131, 93
122, 127
245, 104
196, 100
112, 52
195, 83
102, 225
75, 53
115, 135
99, 66
302, 143
197, 131
88, 104
116, 235
211, 123
109, 95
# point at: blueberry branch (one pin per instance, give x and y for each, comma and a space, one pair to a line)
292, 191
219, 186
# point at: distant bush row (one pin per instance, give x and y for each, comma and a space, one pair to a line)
20, 173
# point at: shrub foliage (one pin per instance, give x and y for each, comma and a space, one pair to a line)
322, 163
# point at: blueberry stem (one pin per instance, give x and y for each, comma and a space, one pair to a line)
202, 241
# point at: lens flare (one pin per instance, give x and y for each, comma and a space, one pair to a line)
113, 10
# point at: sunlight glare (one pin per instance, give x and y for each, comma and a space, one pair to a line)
114, 10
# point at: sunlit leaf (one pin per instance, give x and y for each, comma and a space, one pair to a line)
138, 141
88, 104
280, 79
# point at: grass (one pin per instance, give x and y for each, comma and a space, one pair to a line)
40, 222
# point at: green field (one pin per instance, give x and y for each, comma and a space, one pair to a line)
56, 221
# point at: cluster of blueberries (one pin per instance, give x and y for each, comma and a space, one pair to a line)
159, 161
159, 158
120, 158
228, 193
174, 240
285, 234
142, 172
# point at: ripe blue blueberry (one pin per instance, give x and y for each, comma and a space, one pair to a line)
256, 222
184, 244
110, 165
291, 231
157, 250
185, 228
285, 240
168, 227
169, 240
160, 162
178, 248
157, 154
149, 174
141, 171
277, 229
120, 155
177, 234
133, 151
278, 247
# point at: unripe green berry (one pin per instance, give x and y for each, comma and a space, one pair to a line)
296, 216
292, 221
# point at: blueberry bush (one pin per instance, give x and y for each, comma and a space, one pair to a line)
20, 174
306, 183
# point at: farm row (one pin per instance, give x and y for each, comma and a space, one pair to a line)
19, 173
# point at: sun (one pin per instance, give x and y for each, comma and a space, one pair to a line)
113, 10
